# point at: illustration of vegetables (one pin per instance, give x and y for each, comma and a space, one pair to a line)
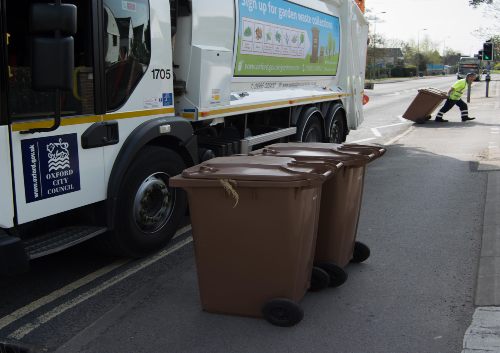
248, 32
286, 38
258, 33
302, 38
277, 35
268, 36
294, 39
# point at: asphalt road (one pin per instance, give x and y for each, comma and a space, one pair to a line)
421, 216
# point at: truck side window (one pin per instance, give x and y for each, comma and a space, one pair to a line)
24, 102
127, 48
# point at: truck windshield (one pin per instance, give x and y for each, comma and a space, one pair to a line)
23, 101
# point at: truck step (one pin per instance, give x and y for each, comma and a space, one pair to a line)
60, 239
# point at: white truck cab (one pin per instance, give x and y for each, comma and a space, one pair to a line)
103, 101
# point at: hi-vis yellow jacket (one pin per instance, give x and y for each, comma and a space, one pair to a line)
458, 89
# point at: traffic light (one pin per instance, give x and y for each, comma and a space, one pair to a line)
488, 51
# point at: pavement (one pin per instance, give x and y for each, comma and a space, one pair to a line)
483, 335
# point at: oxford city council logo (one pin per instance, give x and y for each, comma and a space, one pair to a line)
58, 155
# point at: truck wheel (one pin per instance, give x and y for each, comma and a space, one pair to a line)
149, 211
335, 124
282, 312
309, 128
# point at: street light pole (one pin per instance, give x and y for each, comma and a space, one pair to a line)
444, 51
418, 49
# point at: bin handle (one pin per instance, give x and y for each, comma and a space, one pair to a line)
268, 150
362, 148
317, 175
207, 169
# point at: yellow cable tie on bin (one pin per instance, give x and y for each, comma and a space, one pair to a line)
229, 186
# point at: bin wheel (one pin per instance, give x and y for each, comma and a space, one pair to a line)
282, 312
361, 252
428, 117
320, 279
337, 275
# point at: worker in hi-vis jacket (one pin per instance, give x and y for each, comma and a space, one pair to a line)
455, 97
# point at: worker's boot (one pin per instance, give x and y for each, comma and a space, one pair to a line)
441, 120
464, 119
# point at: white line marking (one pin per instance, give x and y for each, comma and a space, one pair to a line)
25, 310
364, 140
37, 304
390, 142
398, 124
376, 132
42, 319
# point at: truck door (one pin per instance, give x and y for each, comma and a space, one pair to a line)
52, 171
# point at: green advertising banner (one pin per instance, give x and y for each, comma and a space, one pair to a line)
280, 38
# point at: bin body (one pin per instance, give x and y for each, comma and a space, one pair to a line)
258, 250
424, 104
341, 194
339, 216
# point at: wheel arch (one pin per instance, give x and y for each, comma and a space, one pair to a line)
180, 139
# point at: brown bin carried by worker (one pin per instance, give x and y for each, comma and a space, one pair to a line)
424, 104
254, 223
336, 244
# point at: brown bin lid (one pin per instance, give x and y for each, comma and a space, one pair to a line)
433, 92
348, 155
255, 171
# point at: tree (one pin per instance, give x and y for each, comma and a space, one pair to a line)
476, 3
491, 10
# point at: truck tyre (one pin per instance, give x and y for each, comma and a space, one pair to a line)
335, 123
148, 211
310, 127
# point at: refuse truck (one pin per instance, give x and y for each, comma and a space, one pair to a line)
103, 101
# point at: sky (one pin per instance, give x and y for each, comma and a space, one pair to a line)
449, 23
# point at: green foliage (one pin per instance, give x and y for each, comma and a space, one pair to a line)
479, 2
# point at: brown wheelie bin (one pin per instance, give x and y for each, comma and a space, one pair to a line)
424, 104
254, 230
336, 245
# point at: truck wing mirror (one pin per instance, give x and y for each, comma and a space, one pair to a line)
53, 55
48, 18
53, 59
53, 63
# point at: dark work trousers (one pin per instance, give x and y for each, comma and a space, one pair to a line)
449, 104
